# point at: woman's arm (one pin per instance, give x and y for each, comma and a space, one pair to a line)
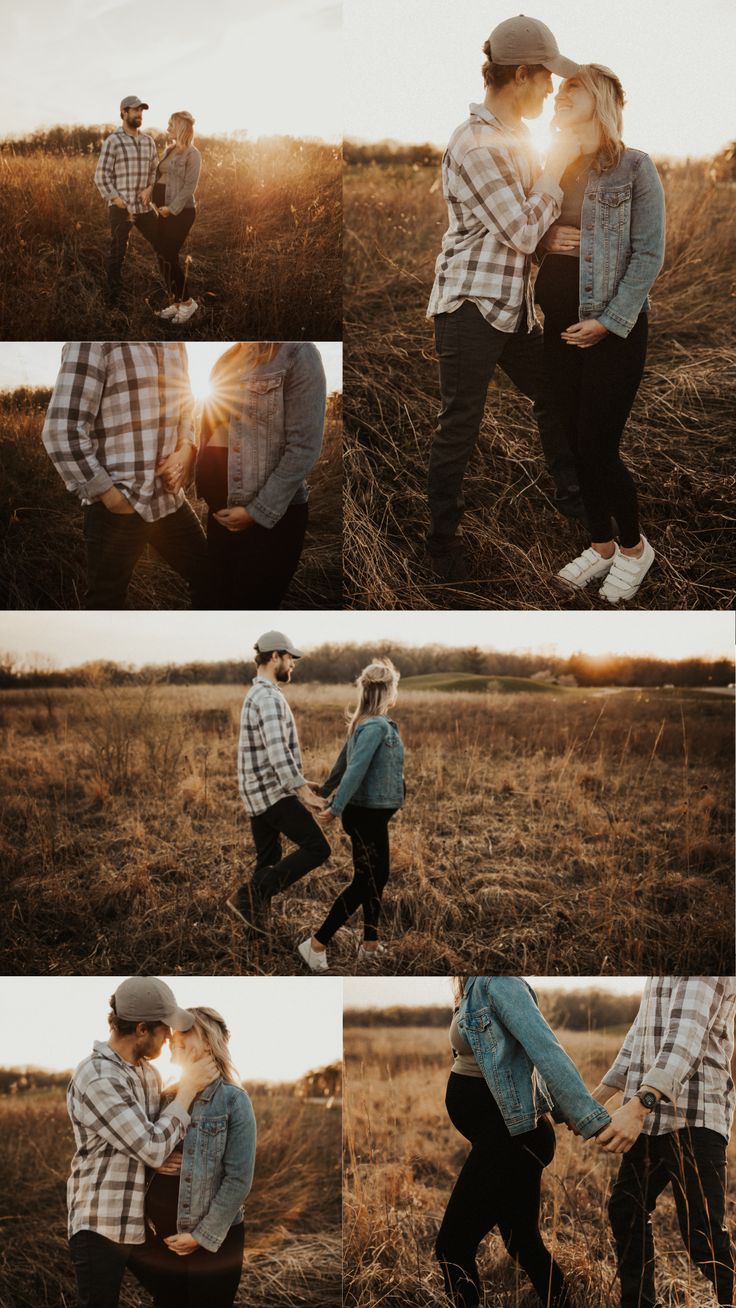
370, 737
337, 773
237, 1164
647, 251
305, 392
192, 170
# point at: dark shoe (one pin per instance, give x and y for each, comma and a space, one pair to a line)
567, 501
250, 907
449, 564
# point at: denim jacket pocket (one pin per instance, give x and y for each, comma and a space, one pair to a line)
615, 202
212, 1135
263, 406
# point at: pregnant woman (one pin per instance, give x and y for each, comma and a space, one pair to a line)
193, 1254
261, 435
497, 1099
600, 260
173, 194
369, 781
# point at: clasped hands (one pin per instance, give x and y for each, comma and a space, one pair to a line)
622, 1131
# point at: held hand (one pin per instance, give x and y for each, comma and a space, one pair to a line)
560, 239
236, 519
311, 800
326, 817
115, 501
174, 470
584, 334
181, 1244
145, 195
623, 1129
172, 1165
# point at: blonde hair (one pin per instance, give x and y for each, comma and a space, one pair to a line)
213, 1030
458, 989
608, 105
182, 128
378, 684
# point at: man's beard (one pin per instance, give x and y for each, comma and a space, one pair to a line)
283, 675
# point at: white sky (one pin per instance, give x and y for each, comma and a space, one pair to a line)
281, 1027
237, 65
416, 991
138, 637
414, 65
36, 363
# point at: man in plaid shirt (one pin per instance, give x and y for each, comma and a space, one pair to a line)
120, 432
273, 788
114, 1102
500, 204
674, 1069
126, 168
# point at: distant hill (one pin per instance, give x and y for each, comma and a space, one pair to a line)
476, 682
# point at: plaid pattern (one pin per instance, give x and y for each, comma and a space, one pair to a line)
269, 758
126, 166
112, 1106
497, 218
681, 1043
117, 408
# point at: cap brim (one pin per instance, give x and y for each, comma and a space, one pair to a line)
295, 653
181, 1019
561, 66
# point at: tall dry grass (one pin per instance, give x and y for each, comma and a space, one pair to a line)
571, 833
678, 441
293, 1214
265, 247
402, 1157
42, 550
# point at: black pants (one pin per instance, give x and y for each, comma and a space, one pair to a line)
252, 569
468, 349
287, 817
115, 542
368, 831
120, 225
693, 1162
499, 1185
172, 233
99, 1264
594, 390
197, 1280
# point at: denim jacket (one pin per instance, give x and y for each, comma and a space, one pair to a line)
622, 234
526, 1069
369, 769
219, 1152
181, 178
275, 433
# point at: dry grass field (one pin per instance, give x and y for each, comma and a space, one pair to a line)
42, 552
293, 1213
569, 832
265, 247
678, 441
402, 1158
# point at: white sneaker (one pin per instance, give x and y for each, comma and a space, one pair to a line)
370, 955
627, 574
185, 312
586, 567
315, 961
169, 312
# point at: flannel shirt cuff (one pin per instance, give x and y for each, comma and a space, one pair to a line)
96, 486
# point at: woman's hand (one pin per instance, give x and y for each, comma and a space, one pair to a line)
164, 212
235, 519
172, 1165
584, 334
560, 240
326, 817
145, 196
181, 1244
175, 469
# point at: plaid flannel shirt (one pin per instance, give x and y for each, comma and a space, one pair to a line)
126, 166
681, 1043
498, 214
113, 1107
117, 408
269, 758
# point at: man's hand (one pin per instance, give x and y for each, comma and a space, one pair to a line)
624, 1128
236, 519
584, 334
115, 501
172, 1165
181, 1244
119, 203
176, 468
196, 1075
145, 196
565, 149
310, 799
560, 240
326, 817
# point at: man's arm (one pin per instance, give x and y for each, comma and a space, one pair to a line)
694, 1007
491, 187
70, 418
105, 172
615, 1078
109, 1108
273, 723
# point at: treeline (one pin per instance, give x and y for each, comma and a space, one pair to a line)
323, 1083
577, 1010
25, 398
79, 139
339, 664
392, 152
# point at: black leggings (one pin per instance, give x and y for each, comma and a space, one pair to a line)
499, 1185
594, 390
170, 236
368, 831
253, 569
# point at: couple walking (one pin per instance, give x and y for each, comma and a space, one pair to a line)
592, 222
120, 430
155, 195
510, 1074
159, 1178
366, 785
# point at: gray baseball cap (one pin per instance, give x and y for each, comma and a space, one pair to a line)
146, 999
271, 641
525, 40
132, 102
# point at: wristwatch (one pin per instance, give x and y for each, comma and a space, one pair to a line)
647, 1099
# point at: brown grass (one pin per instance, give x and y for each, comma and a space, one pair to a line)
293, 1213
402, 1158
42, 551
265, 248
572, 833
678, 440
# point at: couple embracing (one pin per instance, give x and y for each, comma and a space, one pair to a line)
121, 432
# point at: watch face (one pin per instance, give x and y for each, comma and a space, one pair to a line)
648, 1099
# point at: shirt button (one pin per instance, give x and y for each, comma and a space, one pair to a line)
589, 288
588, 258
589, 228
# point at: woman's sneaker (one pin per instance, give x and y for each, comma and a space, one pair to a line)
316, 960
168, 312
586, 567
370, 955
185, 312
627, 574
